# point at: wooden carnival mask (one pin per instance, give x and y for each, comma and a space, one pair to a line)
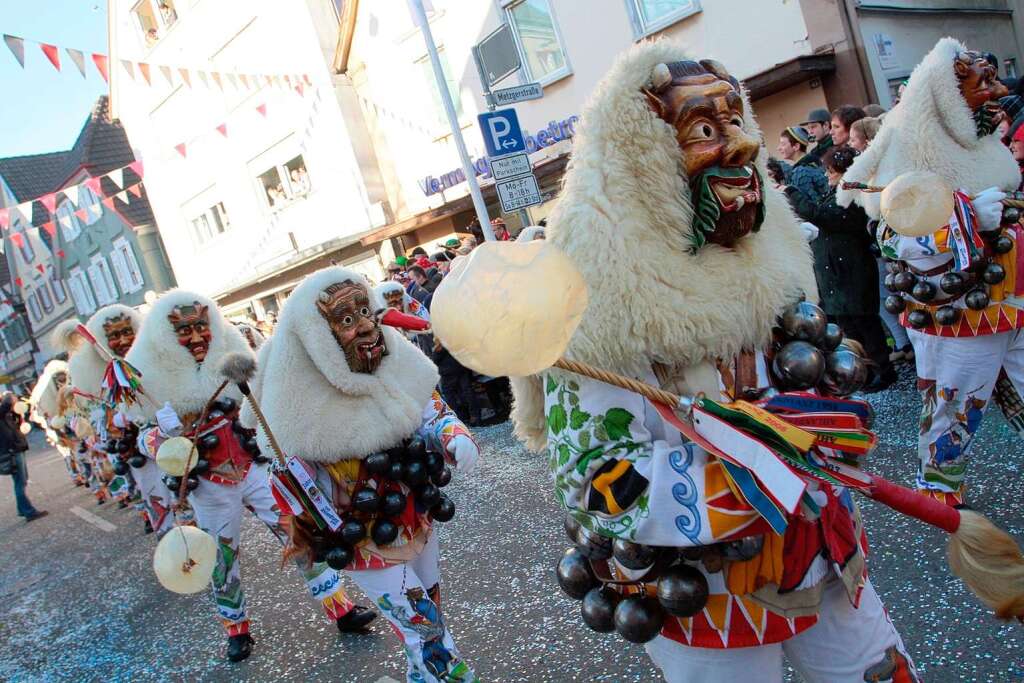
394, 299
981, 90
120, 334
192, 326
702, 102
346, 308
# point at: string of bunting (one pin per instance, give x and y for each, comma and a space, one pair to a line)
221, 129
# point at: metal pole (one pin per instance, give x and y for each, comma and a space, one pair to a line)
420, 17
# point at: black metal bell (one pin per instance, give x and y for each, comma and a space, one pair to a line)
598, 609
377, 463
415, 473
434, 462
803, 321
191, 483
384, 532
125, 446
946, 315
208, 443
225, 404
923, 291
639, 618
571, 526
111, 445
845, 373
82, 448
366, 500
977, 299
393, 503
799, 365
889, 282
120, 467
894, 304
575, 577
833, 337
214, 415
251, 445
173, 483
396, 471
953, 283
682, 591
138, 460
1002, 244
1011, 215
352, 531
416, 449
260, 459
593, 545
743, 549
338, 557
442, 478
633, 555
904, 281
919, 319
202, 465
237, 428
993, 274
428, 495
443, 511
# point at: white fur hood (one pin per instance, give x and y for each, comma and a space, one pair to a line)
85, 364
169, 373
44, 393
320, 410
932, 129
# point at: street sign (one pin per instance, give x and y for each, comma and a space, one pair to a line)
498, 55
501, 132
503, 168
518, 193
519, 93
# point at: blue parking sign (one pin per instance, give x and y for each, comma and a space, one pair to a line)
501, 132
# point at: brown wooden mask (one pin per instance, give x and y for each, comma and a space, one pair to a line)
346, 308
192, 326
120, 334
981, 90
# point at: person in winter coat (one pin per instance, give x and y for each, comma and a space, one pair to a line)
845, 269
13, 442
804, 182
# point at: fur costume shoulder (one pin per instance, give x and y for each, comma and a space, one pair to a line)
169, 373
85, 363
625, 217
45, 393
318, 408
932, 129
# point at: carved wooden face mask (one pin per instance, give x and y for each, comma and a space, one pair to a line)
192, 326
702, 102
346, 308
980, 89
394, 300
120, 334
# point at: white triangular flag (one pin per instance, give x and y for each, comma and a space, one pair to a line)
26, 210
117, 176
123, 196
71, 192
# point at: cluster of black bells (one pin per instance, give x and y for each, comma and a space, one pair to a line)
374, 508
969, 285
247, 437
682, 590
810, 353
124, 449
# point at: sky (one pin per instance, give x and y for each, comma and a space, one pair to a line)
43, 110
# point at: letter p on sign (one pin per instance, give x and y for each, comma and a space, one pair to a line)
501, 132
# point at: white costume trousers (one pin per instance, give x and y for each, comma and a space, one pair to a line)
156, 497
847, 645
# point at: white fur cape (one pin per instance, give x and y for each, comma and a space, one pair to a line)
932, 129
624, 217
44, 393
320, 410
169, 373
85, 364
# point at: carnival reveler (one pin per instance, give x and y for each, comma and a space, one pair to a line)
45, 402
373, 435
178, 352
689, 258
956, 284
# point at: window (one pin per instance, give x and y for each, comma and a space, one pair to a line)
283, 184
539, 42
44, 296
440, 116
81, 292
153, 18
15, 333
210, 223
129, 276
25, 248
33, 306
102, 281
649, 16
59, 293
88, 200
70, 225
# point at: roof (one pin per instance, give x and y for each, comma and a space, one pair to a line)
102, 146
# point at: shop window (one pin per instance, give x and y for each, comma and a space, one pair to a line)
649, 16
81, 292
70, 225
210, 223
540, 45
440, 116
102, 281
33, 306
284, 183
44, 297
153, 18
129, 275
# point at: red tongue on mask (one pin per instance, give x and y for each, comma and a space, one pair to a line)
403, 321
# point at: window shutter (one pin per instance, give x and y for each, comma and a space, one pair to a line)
108, 280
120, 270
134, 271
98, 285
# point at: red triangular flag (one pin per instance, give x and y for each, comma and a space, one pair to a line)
40, 268
18, 281
137, 167
82, 214
5, 218
306, 78
144, 70
288, 80
101, 65
181, 149
94, 185
136, 189
51, 53
60, 253
18, 239
299, 88
223, 129
49, 201
51, 228
185, 77
262, 109
108, 202
17, 47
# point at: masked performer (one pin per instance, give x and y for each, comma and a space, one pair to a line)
373, 434
178, 351
395, 296
689, 259
955, 283
46, 413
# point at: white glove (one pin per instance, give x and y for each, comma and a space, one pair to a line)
120, 420
988, 205
170, 423
465, 452
810, 231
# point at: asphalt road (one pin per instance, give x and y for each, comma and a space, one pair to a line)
79, 602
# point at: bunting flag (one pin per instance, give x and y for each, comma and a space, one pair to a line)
128, 68
94, 185
117, 177
25, 208
262, 109
108, 202
185, 78
51, 53
136, 167
202, 77
223, 129
123, 196
41, 268
60, 253
136, 190
144, 70
78, 59
82, 214
17, 48
245, 80
51, 228
71, 192
49, 201
18, 239
101, 65
166, 71
180, 147
232, 80
5, 218
18, 281
215, 75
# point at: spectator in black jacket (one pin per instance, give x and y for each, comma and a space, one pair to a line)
456, 385
817, 126
13, 445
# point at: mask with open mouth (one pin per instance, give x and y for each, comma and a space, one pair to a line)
192, 326
120, 334
727, 205
981, 90
346, 308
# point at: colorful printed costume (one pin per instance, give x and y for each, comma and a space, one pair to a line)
685, 283
961, 352
178, 352
345, 415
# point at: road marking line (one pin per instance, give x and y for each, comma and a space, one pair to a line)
385, 679
98, 522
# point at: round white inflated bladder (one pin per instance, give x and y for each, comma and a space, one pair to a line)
917, 203
509, 308
25, 428
173, 455
58, 422
20, 407
184, 559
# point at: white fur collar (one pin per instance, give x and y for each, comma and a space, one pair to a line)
320, 410
169, 373
932, 129
44, 393
86, 365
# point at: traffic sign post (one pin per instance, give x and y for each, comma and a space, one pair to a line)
518, 193
502, 134
519, 93
503, 168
